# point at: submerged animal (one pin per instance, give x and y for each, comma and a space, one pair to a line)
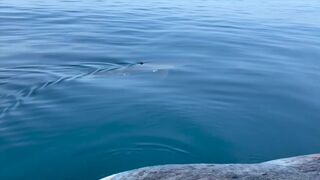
140, 67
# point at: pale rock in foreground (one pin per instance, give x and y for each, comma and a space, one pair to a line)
295, 168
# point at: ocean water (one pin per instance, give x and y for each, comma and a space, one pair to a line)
92, 88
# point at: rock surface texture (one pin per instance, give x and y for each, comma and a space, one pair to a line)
301, 167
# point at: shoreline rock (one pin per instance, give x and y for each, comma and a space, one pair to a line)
305, 167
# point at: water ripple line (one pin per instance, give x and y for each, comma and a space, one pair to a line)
70, 72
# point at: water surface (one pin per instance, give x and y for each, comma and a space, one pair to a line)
222, 82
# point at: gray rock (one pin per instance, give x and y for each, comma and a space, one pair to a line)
295, 168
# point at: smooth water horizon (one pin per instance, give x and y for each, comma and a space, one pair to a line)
92, 88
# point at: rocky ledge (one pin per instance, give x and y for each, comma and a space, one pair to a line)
301, 167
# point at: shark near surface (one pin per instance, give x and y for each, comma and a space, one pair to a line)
295, 168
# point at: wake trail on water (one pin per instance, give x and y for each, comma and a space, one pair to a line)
22, 82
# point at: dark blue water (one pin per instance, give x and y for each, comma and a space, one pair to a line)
223, 81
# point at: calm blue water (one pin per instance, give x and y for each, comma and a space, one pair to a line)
224, 81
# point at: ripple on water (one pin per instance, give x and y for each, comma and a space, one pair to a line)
21, 82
